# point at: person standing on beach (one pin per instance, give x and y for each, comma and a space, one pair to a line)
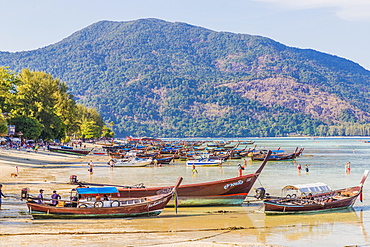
111, 163
1, 195
91, 165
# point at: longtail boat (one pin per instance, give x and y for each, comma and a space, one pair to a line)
88, 204
312, 198
204, 162
163, 159
69, 150
133, 162
232, 191
277, 155
143, 139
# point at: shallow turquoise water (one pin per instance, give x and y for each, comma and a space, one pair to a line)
326, 158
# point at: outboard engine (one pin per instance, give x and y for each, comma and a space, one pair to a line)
260, 193
24, 193
73, 179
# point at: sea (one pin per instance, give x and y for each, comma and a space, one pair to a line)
244, 225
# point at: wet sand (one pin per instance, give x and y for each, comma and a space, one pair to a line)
192, 226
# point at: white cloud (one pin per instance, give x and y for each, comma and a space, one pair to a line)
350, 10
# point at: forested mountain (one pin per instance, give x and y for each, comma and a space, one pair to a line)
158, 78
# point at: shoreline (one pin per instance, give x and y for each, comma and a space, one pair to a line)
36, 170
192, 226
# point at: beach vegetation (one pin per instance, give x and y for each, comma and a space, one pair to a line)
66, 139
30, 127
107, 132
41, 107
90, 130
3, 125
8, 84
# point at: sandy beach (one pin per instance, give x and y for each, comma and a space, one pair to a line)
49, 171
192, 226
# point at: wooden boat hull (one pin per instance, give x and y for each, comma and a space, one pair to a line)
276, 208
119, 208
278, 156
273, 208
154, 207
325, 201
232, 191
164, 160
274, 157
70, 151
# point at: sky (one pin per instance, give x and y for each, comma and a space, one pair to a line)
337, 27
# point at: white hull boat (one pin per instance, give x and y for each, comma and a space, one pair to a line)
135, 162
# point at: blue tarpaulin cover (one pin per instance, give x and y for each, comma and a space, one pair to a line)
97, 190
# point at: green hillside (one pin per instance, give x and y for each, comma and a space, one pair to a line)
157, 78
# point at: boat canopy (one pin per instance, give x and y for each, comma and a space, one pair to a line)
97, 190
309, 188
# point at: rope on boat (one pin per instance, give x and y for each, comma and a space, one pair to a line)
258, 179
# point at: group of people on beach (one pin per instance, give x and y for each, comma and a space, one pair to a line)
19, 144
55, 197
90, 164
40, 198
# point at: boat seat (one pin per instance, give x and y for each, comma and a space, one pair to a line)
339, 197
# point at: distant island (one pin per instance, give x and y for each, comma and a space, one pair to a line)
151, 77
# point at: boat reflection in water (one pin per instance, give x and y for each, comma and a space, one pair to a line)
305, 227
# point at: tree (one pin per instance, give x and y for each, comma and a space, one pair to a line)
3, 125
107, 132
30, 127
90, 119
44, 98
90, 130
8, 83
66, 110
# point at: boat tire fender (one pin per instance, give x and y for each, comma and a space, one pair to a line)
260, 193
98, 204
115, 203
293, 196
82, 206
288, 196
